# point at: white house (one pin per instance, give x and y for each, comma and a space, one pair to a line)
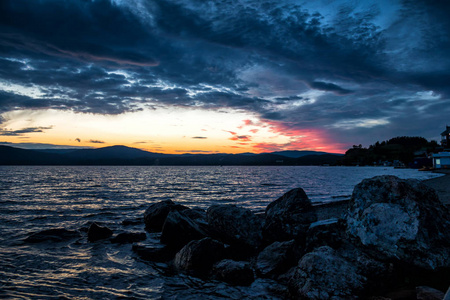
441, 160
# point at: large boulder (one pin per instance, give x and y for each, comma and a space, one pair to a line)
276, 259
235, 225
155, 215
323, 274
289, 216
178, 230
402, 220
54, 235
234, 272
97, 232
197, 257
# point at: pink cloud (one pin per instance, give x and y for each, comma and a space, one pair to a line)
300, 139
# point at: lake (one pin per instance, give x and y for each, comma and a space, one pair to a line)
34, 198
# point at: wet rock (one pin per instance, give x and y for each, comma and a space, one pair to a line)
236, 226
428, 293
289, 216
401, 219
195, 213
97, 232
178, 230
155, 254
323, 274
155, 215
129, 237
276, 259
54, 235
197, 257
234, 272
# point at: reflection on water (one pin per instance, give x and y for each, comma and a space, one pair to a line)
36, 198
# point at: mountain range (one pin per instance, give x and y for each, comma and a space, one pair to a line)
122, 155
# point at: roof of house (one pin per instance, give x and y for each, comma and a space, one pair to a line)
441, 154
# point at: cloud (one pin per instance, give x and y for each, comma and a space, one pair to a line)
96, 142
20, 132
199, 137
303, 64
329, 87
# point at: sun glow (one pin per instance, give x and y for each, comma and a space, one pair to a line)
166, 130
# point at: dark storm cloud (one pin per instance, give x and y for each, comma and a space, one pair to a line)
363, 62
329, 87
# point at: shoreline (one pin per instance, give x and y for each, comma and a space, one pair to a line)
441, 185
337, 209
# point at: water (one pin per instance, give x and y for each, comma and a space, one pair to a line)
37, 198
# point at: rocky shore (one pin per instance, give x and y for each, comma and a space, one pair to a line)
441, 185
391, 240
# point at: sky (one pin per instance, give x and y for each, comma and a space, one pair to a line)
224, 76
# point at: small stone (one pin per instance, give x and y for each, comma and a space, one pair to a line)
97, 232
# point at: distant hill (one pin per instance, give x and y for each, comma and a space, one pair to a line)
297, 154
16, 156
122, 155
113, 152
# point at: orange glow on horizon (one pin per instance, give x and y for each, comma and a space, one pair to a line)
171, 131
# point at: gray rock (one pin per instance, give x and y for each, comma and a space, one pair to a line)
197, 257
54, 235
178, 230
235, 225
323, 274
401, 219
234, 272
276, 259
155, 215
97, 232
129, 237
289, 216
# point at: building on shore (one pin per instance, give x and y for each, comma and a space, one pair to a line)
441, 160
445, 138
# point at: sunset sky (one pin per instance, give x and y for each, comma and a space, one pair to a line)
224, 76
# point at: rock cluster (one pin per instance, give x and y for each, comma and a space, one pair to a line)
395, 233
393, 240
